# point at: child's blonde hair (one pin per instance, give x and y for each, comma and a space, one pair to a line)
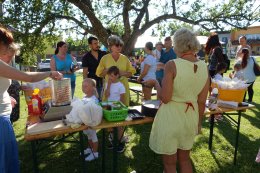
93, 83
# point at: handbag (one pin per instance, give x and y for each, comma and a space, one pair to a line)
256, 69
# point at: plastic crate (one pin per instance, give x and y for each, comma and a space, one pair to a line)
231, 95
114, 115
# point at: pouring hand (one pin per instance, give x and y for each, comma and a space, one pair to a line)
56, 75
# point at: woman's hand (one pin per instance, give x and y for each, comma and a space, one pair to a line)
13, 102
139, 80
56, 75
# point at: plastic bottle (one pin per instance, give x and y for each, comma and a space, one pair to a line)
36, 102
213, 99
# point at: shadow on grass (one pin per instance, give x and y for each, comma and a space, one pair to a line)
245, 145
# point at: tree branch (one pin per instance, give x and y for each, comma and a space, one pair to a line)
98, 29
140, 16
173, 7
126, 8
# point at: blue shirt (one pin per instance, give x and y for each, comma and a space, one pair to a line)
65, 65
165, 57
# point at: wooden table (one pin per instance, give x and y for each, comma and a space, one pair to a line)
227, 112
37, 131
57, 128
33, 137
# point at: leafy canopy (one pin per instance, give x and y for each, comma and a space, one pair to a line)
36, 20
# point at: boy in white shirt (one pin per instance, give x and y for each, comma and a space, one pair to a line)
115, 91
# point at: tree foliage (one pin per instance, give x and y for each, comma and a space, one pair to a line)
128, 18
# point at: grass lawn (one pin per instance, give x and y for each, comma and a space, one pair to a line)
138, 156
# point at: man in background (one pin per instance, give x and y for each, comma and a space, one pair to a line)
90, 62
166, 55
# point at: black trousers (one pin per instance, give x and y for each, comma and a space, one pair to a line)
250, 92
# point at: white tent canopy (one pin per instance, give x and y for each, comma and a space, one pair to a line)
140, 43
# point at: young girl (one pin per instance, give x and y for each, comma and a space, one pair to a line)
89, 88
115, 91
237, 73
148, 70
220, 69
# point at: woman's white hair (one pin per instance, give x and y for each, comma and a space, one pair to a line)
184, 40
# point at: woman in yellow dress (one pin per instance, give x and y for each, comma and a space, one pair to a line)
115, 58
184, 91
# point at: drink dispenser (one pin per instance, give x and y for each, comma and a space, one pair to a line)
60, 92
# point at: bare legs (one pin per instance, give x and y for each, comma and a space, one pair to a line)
183, 157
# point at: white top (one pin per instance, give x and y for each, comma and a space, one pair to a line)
116, 89
239, 75
5, 101
218, 77
87, 99
151, 61
248, 71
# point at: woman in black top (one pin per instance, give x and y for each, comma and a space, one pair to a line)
214, 50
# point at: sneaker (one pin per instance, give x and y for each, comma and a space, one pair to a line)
121, 147
87, 151
91, 157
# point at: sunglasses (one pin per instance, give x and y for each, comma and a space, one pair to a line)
118, 45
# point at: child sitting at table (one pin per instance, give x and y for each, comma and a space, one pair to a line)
237, 73
89, 88
220, 69
115, 91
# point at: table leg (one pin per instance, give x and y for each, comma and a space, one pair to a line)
81, 138
237, 137
211, 123
115, 144
103, 151
34, 155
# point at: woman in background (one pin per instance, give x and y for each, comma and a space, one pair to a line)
242, 44
148, 70
115, 58
249, 76
65, 64
214, 50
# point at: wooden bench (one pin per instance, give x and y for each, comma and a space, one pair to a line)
138, 91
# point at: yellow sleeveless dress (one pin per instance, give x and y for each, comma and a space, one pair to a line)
176, 123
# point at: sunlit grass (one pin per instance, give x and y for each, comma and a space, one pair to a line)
138, 156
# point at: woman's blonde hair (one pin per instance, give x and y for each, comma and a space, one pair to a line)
184, 40
93, 83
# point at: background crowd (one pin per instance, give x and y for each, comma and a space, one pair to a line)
179, 118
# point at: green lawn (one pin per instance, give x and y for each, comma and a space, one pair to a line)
65, 157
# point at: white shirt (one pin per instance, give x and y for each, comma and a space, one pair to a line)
116, 89
218, 77
87, 99
151, 61
5, 101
